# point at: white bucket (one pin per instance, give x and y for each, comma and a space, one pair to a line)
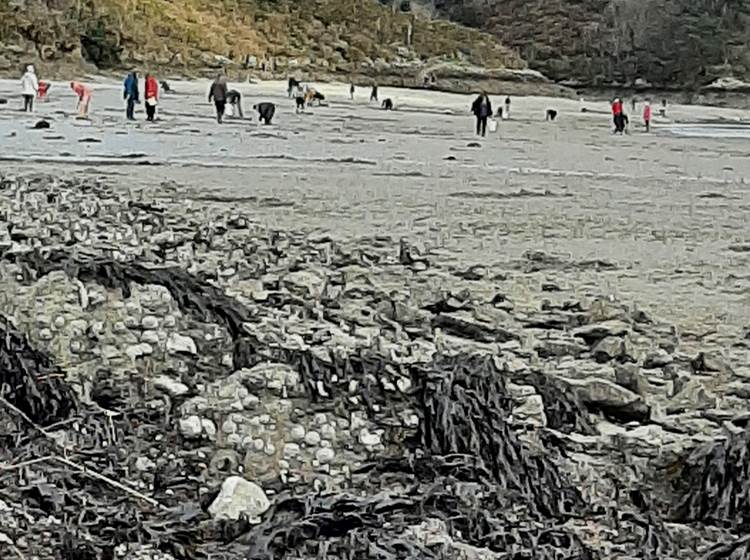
492, 124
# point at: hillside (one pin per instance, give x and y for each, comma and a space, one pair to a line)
338, 36
599, 42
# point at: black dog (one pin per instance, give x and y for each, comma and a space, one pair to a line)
300, 102
265, 112
551, 115
387, 104
165, 87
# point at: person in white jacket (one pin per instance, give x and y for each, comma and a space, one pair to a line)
30, 87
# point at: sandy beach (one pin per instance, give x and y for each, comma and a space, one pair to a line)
529, 345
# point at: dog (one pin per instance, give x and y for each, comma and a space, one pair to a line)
165, 87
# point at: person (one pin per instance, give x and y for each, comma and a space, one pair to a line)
30, 87
617, 115
300, 103
151, 89
351, 92
647, 115
663, 110
482, 109
218, 94
632, 104
551, 115
234, 98
506, 114
265, 112
374, 93
292, 85
43, 90
165, 87
131, 95
84, 98
387, 104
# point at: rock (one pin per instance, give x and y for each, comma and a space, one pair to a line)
239, 498
136, 351
307, 282
297, 432
629, 376
144, 464
325, 455
209, 428
191, 426
611, 399
531, 412
170, 386
690, 395
149, 322
368, 439
594, 332
150, 337
558, 346
657, 359
179, 344
608, 348
312, 438
712, 361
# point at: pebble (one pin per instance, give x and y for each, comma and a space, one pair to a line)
170, 386
150, 337
259, 444
150, 322
239, 498
250, 401
135, 351
59, 322
144, 464
291, 450
312, 438
229, 427
368, 439
208, 427
325, 455
328, 431
191, 427
297, 432
177, 343
45, 334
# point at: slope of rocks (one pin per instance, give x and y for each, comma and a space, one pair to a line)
181, 382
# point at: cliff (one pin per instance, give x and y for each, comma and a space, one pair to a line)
666, 43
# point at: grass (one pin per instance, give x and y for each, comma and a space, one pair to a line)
339, 35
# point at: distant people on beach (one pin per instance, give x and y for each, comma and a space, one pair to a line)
374, 93
151, 96
647, 115
234, 99
292, 85
551, 115
633, 105
387, 104
218, 94
312, 95
29, 88
131, 95
83, 92
299, 103
506, 113
43, 90
482, 109
351, 92
663, 110
266, 112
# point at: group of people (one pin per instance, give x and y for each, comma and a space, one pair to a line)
482, 109
620, 118
32, 88
131, 95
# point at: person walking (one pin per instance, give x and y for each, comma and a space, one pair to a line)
131, 95
83, 92
374, 93
218, 94
29, 88
506, 113
647, 116
351, 92
482, 109
151, 96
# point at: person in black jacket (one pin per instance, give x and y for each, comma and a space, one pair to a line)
265, 112
482, 109
218, 94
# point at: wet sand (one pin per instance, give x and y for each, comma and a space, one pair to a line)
655, 220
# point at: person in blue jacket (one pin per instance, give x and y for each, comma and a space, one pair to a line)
131, 95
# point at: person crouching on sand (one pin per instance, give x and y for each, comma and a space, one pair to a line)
84, 98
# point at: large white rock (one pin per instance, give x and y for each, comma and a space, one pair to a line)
177, 343
170, 386
190, 427
239, 497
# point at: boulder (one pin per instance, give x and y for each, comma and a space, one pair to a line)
239, 498
179, 344
170, 386
614, 401
608, 348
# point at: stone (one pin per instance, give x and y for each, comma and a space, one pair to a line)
690, 395
291, 450
239, 498
209, 428
144, 464
136, 351
297, 432
229, 427
150, 337
191, 426
325, 455
657, 359
594, 332
608, 348
179, 344
559, 346
369, 439
170, 386
149, 322
312, 438
45, 334
712, 361
629, 376
308, 282
611, 399
531, 411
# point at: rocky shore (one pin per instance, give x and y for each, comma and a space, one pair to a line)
182, 382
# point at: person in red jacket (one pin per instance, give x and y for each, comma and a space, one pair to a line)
152, 96
647, 116
617, 116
